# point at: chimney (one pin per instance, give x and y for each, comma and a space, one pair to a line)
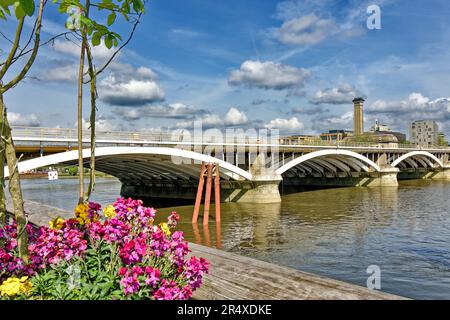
358, 119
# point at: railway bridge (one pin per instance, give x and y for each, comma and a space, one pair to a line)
167, 165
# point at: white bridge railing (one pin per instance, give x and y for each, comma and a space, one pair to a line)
41, 134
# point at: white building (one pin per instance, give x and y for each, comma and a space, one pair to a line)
379, 127
424, 133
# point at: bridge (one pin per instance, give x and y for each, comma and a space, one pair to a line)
167, 165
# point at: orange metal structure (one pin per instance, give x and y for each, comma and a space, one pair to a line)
209, 172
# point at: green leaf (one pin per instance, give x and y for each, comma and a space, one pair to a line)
18, 10
27, 6
2, 15
125, 16
111, 18
108, 42
5, 4
96, 39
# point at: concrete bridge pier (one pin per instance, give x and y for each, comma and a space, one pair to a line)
442, 173
387, 177
263, 188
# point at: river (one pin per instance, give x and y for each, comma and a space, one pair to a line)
336, 233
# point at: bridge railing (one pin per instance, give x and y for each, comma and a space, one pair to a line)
70, 135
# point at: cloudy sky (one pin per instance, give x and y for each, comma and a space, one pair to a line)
292, 65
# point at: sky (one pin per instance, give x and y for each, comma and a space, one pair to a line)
290, 65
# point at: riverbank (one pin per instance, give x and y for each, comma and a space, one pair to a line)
234, 277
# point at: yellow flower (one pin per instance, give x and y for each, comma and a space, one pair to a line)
14, 286
81, 209
110, 212
56, 223
165, 228
82, 213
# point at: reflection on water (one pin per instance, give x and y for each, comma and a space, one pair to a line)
336, 232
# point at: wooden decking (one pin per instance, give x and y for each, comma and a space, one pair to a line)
234, 277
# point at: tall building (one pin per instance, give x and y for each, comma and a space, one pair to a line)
358, 120
424, 133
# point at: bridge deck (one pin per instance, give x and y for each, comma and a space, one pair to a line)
234, 277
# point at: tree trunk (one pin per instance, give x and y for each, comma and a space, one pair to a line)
2, 164
16, 191
93, 81
80, 124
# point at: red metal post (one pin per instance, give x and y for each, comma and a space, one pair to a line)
208, 194
198, 199
217, 192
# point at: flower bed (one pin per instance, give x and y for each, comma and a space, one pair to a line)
115, 254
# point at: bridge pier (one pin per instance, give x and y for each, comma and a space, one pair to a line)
442, 174
263, 187
387, 177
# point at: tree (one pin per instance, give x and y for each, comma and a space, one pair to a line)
21, 9
91, 31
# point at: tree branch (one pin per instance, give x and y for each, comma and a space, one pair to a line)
30, 38
6, 38
30, 61
15, 46
24, 53
100, 6
120, 48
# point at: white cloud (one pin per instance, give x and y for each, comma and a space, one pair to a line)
27, 120
324, 122
308, 22
399, 114
98, 52
207, 121
343, 94
235, 117
268, 75
129, 92
292, 125
66, 73
146, 73
101, 124
170, 111
306, 30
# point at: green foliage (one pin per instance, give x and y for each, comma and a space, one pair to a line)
21, 8
93, 277
96, 30
73, 171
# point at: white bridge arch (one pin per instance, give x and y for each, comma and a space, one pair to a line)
422, 156
136, 162
342, 159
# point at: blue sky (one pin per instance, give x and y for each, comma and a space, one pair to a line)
292, 65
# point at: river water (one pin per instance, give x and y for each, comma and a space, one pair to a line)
337, 233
